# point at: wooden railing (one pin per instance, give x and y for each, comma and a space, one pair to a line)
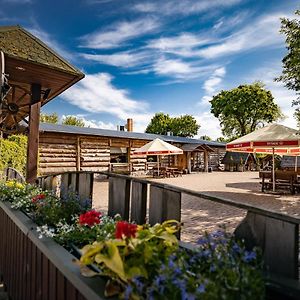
277, 234
13, 174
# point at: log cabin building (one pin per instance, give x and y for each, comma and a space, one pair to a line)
65, 148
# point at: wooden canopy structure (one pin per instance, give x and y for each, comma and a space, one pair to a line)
36, 74
192, 151
239, 160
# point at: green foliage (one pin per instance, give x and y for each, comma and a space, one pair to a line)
291, 62
219, 268
13, 152
141, 255
73, 121
185, 125
297, 117
206, 138
49, 118
159, 124
243, 109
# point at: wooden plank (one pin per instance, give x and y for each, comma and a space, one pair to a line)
52, 282
85, 186
279, 241
33, 143
138, 202
164, 205
118, 197
78, 154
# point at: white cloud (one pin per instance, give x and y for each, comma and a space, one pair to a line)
125, 59
92, 123
209, 125
96, 93
187, 7
261, 33
212, 84
119, 33
182, 45
179, 69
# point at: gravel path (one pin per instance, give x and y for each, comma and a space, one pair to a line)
199, 215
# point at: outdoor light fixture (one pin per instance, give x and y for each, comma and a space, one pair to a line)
46, 94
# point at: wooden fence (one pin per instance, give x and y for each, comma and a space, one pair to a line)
275, 233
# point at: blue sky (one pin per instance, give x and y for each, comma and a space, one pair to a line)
142, 57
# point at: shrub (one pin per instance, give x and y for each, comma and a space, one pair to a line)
13, 152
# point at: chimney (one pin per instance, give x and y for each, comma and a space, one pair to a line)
129, 125
122, 128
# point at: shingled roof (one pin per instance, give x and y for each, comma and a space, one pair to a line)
236, 158
18, 43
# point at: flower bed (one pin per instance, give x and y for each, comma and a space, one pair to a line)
142, 262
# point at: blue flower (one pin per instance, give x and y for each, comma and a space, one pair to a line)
212, 268
127, 292
249, 256
201, 288
236, 248
139, 284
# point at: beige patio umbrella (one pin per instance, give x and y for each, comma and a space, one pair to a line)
158, 147
274, 139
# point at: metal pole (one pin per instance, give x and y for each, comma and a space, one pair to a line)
296, 163
158, 165
273, 169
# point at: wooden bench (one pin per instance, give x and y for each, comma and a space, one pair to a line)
283, 180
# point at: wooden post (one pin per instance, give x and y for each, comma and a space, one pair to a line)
33, 136
78, 154
205, 160
189, 165
138, 202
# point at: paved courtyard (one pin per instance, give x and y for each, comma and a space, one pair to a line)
199, 215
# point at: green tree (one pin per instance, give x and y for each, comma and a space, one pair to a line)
243, 109
159, 124
297, 117
49, 118
185, 125
291, 62
74, 121
206, 138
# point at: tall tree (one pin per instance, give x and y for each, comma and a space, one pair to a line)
297, 117
74, 121
159, 124
243, 109
185, 125
291, 62
49, 118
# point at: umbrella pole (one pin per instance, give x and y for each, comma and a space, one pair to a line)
273, 171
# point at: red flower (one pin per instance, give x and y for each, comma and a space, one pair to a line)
90, 218
38, 197
126, 229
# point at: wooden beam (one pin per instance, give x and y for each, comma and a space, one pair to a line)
33, 136
78, 154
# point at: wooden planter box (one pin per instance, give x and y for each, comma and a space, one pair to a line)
34, 268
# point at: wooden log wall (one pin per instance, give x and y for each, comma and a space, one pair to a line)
94, 154
60, 153
57, 153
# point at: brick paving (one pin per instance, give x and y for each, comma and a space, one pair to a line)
199, 215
